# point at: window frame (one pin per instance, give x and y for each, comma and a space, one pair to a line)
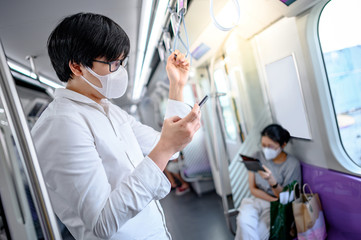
324, 91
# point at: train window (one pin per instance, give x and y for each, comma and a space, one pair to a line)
340, 42
221, 83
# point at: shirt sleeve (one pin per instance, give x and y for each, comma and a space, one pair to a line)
147, 136
75, 176
177, 108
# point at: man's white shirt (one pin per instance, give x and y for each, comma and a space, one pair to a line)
100, 181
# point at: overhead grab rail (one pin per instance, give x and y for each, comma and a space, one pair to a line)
176, 19
14, 111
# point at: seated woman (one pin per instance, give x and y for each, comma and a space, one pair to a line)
253, 221
172, 171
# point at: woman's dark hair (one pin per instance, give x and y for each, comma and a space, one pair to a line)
83, 37
276, 133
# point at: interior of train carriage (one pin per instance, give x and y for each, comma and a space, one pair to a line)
291, 62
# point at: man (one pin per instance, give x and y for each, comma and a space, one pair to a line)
102, 168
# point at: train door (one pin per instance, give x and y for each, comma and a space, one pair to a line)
226, 108
213, 133
249, 108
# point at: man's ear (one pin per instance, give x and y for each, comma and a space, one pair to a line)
75, 68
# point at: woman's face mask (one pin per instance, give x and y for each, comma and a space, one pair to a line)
270, 153
114, 84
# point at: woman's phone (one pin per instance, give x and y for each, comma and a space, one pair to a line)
252, 164
203, 101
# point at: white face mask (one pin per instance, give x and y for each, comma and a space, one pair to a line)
270, 153
114, 84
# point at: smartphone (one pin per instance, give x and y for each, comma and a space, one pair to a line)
252, 164
203, 101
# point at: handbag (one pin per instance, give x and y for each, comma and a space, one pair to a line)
309, 219
282, 220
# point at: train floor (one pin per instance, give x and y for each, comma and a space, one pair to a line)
190, 217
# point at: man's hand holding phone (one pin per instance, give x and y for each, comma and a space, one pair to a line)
176, 134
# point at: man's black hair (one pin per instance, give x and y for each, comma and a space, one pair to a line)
83, 37
276, 133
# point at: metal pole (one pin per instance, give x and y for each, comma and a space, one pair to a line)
17, 121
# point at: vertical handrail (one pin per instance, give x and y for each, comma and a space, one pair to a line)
17, 122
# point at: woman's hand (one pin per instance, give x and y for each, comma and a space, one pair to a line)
258, 192
267, 175
177, 69
273, 199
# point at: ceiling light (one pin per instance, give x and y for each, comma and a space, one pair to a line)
157, 29
29, 73
50, 82
142, 39
22, 70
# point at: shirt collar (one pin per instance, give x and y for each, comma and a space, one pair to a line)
77, 97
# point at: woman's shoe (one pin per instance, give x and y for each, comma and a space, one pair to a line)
180, 191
